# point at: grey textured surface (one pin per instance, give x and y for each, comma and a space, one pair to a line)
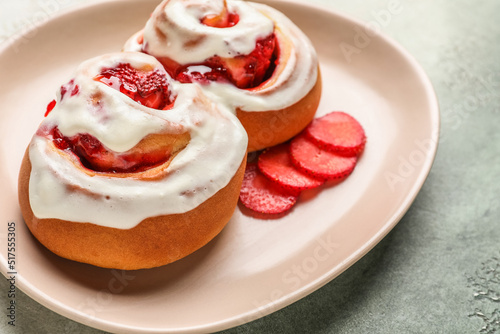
438, 271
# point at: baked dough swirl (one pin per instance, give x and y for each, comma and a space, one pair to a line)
149, 212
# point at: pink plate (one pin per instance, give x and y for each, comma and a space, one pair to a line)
254, 267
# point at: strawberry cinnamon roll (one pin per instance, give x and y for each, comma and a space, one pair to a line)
248, 55
130, 169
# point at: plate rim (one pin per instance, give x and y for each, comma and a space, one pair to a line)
293, 296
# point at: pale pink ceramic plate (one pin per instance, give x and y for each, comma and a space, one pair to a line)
254, 267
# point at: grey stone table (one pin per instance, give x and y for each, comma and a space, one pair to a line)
438, 271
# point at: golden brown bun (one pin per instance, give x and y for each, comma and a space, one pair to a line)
156, 241
269, 128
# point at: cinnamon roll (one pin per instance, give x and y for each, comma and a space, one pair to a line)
248, 55
131, 169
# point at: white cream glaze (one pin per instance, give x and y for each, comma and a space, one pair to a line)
118, 122
298, 75
180, 22
134, 43
215, 151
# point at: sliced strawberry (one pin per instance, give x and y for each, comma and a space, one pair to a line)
275, 163
319, 163
260, 194
337, 132
149, 88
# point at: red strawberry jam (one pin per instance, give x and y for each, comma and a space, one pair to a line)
224, 19
149, 88
69, 87
244, 72
50, 106
93, 155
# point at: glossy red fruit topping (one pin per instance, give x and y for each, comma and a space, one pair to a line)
149, 88
250, 71
93, 155
337, 132
50, 106
69, 87
245, 71
318, 162
260, 194
275, 163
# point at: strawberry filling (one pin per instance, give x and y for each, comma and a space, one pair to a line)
243, 71
248, 71
50, 106
94, 156
224, 19
69, 87
149, 88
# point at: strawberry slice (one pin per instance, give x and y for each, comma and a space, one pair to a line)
275, 163
337, 132
149, 88
319, 163
260, 194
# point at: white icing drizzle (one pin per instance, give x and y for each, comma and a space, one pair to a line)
180, 22
218, 141
134, 43
117, 121
175, 22
59, 190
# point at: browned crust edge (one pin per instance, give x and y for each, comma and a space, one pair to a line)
269, 128
154, 242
